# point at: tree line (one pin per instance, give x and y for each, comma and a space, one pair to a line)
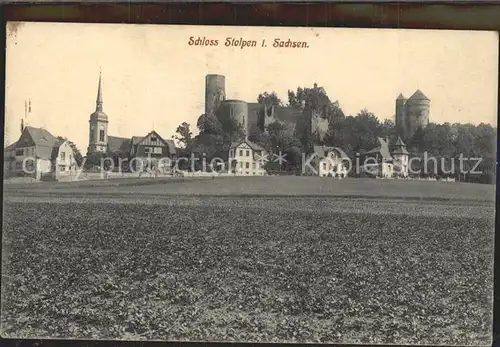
353, 134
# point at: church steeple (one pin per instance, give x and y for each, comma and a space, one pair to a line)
98, 123
98, 106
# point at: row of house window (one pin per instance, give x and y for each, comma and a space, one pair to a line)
247, 153
247, 165
155, 150
242, 153
63, 156
25, 151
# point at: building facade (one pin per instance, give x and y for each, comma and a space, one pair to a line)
246, 159
98, 126
40, 155
389, 159
127, 153
152, 151
330, 162
401, 158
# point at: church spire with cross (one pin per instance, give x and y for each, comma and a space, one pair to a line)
98, 122
98, 107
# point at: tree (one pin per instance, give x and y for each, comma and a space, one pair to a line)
315, 105
293, 156
208, 124
276, 131
295, 99
269, 99
93, 159
387, 128
279, 138
216, 132
357, 133
184, 134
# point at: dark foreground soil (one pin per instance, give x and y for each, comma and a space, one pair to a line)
229, 272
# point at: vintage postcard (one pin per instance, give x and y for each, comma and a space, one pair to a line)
251, 184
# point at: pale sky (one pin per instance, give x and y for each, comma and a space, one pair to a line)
153, 78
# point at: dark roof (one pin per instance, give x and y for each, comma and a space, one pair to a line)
41, 137
118, 144
99, 115
10, 147
399, 142
43, 140
418, 95
251, 144
382, 149
169, 142
400, 150
397, 146
401, 97
171, 146
137, 139
99, 92
46, 145
55, 148
322, 152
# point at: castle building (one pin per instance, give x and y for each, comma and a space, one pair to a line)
255, 117
216, 104
149, 148
412, 114
215, 93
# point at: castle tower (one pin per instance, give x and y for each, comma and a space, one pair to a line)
215, 93
401, 115
237, 110
98, 131
417, 113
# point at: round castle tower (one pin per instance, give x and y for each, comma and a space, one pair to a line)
401, 115
412, 114
236, 109
215, 93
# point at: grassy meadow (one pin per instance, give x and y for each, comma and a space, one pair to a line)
251, 259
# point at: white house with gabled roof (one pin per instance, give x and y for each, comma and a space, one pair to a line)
386, 160
38, 153
330, 162
247, 158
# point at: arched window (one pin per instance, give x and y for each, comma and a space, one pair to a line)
101, 133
